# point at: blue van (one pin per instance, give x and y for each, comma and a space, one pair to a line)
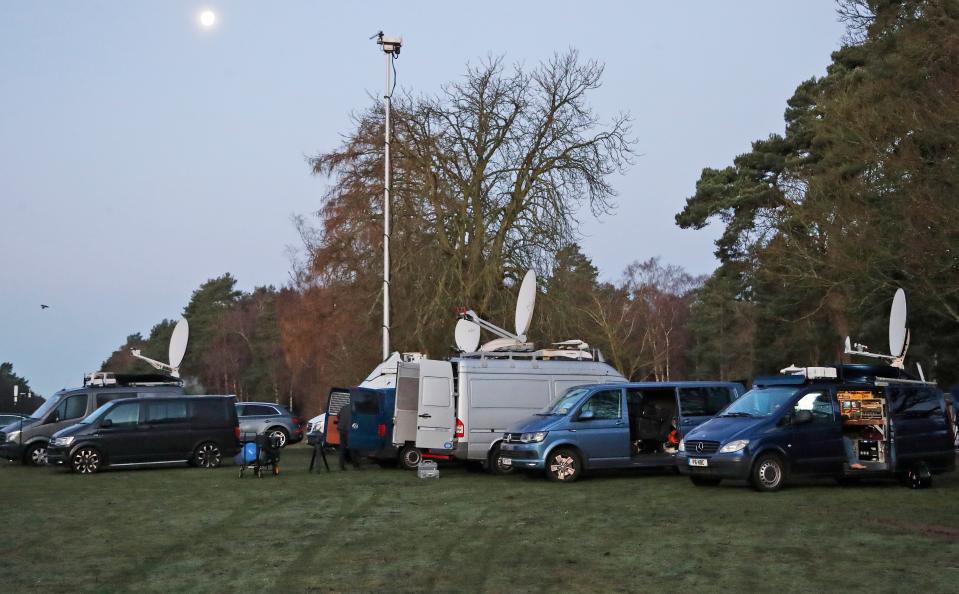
630, 425
851, 422
371, 432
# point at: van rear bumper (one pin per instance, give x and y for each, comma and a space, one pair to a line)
734, 466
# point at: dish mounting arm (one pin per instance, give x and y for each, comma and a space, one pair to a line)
174, 371
863, 351
470, 315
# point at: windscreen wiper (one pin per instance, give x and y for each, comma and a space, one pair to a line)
737, 414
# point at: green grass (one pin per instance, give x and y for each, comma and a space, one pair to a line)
189, 530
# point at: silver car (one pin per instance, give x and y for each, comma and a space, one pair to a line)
268, 418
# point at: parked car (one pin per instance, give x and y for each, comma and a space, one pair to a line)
198, 430
6, 419
865, 421
267, 418
27, 441
632, 425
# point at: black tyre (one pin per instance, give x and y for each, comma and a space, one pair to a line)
495, 463
769, 473
280, 435
207, 455
917, 477
702, 481
36, 454
86, 460
564, 465
409, 457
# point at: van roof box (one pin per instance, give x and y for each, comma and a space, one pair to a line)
108, 378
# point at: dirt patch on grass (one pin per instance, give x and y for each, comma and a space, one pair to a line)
929, 530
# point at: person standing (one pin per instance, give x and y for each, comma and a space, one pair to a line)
344, 420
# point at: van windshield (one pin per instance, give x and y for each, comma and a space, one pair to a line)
48, 405
564, 402
95, 415
760, 402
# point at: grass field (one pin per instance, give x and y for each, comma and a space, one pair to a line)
190, 530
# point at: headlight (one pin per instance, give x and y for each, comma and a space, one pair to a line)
734, 446
62, 442
13, 436
533, 437
682, 445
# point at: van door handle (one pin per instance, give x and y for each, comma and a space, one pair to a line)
426, 416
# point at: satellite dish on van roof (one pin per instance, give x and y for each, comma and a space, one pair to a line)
178, 340
898, 334
467, 336
524, 303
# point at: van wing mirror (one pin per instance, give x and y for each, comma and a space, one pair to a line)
802, 417
106, 423
585, 415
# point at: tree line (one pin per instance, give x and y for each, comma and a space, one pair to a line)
820, 224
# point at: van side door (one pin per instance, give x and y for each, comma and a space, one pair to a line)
167, 430
436, 410
366, 409
600, 429
816, 445
68, 412
919, 424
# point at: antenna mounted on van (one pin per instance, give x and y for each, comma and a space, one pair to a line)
898, 336
469, 326
178, 340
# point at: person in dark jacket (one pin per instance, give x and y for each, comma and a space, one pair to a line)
343, 426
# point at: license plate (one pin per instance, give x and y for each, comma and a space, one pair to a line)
506, 461
698, 462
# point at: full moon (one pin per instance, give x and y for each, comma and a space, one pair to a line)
207, 18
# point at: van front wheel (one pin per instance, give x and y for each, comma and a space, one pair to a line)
36, 455
769, 473
207, 455
563, 465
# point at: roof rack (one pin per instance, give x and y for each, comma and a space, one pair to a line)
109, 378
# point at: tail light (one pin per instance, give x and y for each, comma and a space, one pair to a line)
460, 429
236, 432
297, 421
381, 430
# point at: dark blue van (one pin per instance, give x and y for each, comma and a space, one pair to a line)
853, 422
371, 432
622, 425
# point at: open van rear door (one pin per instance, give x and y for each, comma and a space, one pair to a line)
436, 410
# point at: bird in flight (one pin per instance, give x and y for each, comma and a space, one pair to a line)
42, 306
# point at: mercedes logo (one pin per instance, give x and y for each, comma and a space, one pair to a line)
699, 447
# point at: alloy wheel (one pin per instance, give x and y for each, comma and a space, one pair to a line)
208, 456
563, 467
38, 456
86, 461
279, 436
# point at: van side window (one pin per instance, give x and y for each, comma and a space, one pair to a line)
170, 411
364, 403
104, 397
256, 410
73, 407
124, 415
704, 401
913, 401
605, 405
819, 404
210, 411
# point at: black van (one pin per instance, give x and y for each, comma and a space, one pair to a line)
850, 422
198, 430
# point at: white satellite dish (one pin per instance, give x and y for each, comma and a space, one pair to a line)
178, 341
467, 336
898, 334
525, 302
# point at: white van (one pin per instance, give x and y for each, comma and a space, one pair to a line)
462, 407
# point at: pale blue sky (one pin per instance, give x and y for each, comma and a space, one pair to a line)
141, 155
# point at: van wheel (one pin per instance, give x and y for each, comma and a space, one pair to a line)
207, 455
701, 481
563, 465
36, 455
279, 434
495, 464
769, 473
918, 477
86, 460
410, 457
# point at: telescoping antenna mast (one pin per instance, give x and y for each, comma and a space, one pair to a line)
391, 48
